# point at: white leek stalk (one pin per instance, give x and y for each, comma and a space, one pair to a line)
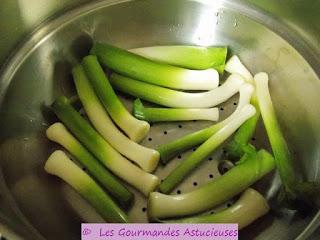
177, 99
234, 65
173, 114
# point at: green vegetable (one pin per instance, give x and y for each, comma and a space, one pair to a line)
239, 145
146, 70
169, 150
192, 57
234, 65
177, 99
120, 166
59, 134
134, 128
145, 157
240, 142
173, 114
251, 168
296, 191
188, 165
60, 165
250, 206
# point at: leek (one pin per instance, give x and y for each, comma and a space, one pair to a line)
173, 114
59, 164
146, 70
192, 57
188, 165
120, 166
134, 128
295, 189
252, 168
169, 150
240, 143
250, 206
234, 65
177, 99
58, 133
145, 157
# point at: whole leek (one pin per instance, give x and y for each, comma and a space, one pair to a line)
146, 70
250, 206
173, 114
177, 99
192, 57
296, 191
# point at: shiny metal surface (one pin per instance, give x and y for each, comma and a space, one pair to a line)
35, 204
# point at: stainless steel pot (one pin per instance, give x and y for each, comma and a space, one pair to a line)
37, 206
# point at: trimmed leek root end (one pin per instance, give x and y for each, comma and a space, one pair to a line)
234, 65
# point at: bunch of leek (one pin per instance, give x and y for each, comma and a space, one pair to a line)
113, 160
169, 150
180, 172
250, 168
145, 157
240, 142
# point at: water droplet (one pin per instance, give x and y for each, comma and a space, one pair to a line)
25, 139
31, 120
217, 22
44, 124
217, 14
